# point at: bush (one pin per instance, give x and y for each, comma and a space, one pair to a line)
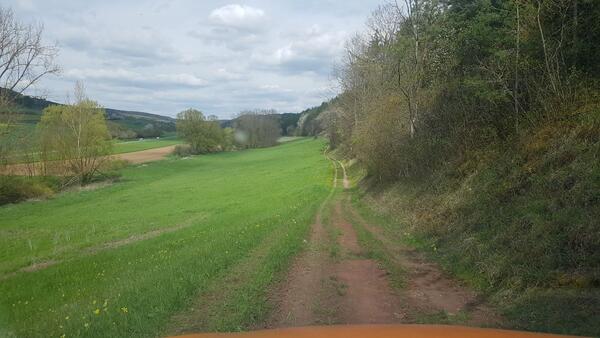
183, 150
111, 170
14, 189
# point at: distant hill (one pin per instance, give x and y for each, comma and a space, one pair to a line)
122, 123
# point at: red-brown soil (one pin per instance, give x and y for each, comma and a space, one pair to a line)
349, 288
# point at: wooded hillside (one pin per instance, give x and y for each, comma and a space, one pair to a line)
478, 125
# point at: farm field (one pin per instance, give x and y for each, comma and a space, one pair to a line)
123, 147
120, 147
123, 259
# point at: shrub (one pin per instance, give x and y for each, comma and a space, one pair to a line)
183, 150
111, 170
14, 189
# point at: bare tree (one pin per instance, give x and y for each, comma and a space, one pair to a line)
24, 60
257, 128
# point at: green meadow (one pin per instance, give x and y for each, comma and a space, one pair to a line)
122, 260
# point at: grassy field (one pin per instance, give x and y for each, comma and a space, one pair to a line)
123, 260
139, 145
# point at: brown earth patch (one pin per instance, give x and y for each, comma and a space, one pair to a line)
368, 297
53, 168
347, 240
308, 295
429, 289
144, 156
301, 299
321, 289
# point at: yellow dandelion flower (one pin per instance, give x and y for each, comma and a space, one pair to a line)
97, 311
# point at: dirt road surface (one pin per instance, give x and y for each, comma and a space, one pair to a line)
149, 155
335, 281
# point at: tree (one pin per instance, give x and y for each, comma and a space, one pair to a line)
204, 135
75, 137
257, 128
24, 60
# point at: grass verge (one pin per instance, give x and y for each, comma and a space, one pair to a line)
133, 290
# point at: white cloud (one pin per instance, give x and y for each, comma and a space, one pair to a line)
163, 56
238, 16
225, 74
25, 4
126, 77
269, 86
312, 50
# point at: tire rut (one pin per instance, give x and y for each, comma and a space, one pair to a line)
349, 288
326, 288
429, 290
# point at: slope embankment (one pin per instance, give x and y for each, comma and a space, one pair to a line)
518, 222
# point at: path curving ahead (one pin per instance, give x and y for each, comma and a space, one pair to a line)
337, 280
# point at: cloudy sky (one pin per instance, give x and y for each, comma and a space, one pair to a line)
163, 56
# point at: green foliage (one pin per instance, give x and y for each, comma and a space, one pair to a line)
75, 137
521, 225
183, 150
14, 189
140, 250
478, 121
257, 129
120, 132
307, 122
451, 77
203, 135
563, 311
288, 123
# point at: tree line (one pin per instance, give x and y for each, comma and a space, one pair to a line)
250, 129
432, 80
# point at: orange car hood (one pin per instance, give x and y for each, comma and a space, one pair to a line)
378, 331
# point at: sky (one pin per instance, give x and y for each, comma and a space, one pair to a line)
221, 57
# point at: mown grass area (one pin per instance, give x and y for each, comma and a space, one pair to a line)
122, 147
116, 275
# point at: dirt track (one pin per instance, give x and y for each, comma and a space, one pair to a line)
137, 157
336, 281
149, 155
